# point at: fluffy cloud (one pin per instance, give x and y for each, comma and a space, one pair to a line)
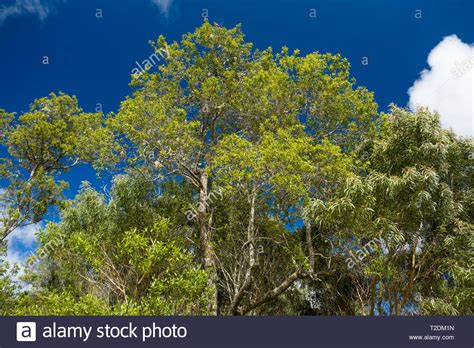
39, 8
24, 237
21, 243
447, 86
164, 5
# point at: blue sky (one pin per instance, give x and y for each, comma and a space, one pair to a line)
92, 57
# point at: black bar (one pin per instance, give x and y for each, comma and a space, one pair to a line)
291, 332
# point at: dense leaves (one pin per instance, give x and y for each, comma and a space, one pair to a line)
50, 139
245, 182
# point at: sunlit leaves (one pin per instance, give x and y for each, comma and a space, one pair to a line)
51, 138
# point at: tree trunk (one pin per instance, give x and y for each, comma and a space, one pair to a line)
380, 309
309, 244
251, 231
372, 296
239, 295
408, 288
397, 307
208, 257
274, 293
391, 299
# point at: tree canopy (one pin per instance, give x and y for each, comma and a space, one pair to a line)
245, 182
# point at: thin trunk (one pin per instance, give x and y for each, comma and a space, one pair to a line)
251, 231
208, 258
252, 258
390, 294
372, 296
309, 244
407, 290
397, 308
274, 293
380, 298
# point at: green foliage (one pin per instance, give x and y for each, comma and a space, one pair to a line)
245, 181
7, 285
106, 266
59, 303
51, 138
410, 199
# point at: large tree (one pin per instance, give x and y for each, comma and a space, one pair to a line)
246, 182
212, 84
54, 136
413, 208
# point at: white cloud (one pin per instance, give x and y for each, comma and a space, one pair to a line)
21, 243
164, 5
23, 236
15, 257
39, 8
447, 86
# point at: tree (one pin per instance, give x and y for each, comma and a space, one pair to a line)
115, 255
7, 285
246, 182
54, 136
211, 85
409, 202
